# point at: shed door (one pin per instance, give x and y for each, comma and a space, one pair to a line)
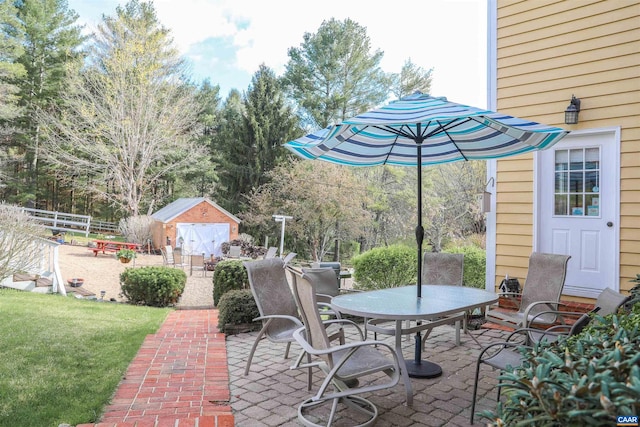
578, 200
202, 238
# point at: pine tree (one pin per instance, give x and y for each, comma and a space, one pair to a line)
51, 52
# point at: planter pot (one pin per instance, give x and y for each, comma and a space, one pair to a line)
75, 283
125, 260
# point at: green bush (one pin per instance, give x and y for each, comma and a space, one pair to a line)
385, 267
475, 264
228, 275
585, 380
237, 307
153, 286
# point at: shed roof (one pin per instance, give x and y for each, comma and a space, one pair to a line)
182, 205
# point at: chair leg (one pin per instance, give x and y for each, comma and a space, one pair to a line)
253, 350
475, 391
286, 351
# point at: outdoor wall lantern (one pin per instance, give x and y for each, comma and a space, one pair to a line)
571, 113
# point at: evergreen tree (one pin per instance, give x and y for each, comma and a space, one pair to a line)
251, 142
229, 154
411, 78
51, 52
334, 75
11, 71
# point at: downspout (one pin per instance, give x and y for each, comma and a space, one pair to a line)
492, 82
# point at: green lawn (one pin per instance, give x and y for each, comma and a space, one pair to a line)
61, 359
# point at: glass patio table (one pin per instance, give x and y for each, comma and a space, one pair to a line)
401, 303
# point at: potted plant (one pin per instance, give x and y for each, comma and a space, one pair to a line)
125, 255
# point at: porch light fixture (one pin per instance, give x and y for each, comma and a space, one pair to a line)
571, 113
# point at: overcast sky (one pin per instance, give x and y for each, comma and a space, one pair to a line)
226, 40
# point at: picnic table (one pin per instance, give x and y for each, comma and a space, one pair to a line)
105, 246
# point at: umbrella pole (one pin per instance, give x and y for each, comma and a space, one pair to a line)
419, 228
419, 368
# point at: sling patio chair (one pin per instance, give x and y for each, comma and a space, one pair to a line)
344, 364
196, 263
275, 301
502, 355
327, 286
541, 293
271, 252
178, 258
288, 258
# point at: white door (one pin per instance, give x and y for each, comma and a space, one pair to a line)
195, 239
578, 209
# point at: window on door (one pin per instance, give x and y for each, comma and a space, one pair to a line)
577, 182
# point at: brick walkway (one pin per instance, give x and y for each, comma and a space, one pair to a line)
179, 378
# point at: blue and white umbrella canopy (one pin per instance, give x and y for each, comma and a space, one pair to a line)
445, 131
420, 130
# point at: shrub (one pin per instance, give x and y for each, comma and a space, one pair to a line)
136, 229
20, 251
153, 286
585, 380
228, 275
237, 307
385, 267
475, 264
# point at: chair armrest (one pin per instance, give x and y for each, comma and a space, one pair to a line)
299, 335
271, 317
541, 332
558, 313
500, 346
552, 304
345, 322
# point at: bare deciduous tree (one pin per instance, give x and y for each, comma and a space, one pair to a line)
451, 203
18, 232
129, 118
326, 202
137, 229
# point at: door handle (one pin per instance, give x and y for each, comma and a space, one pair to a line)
609, 224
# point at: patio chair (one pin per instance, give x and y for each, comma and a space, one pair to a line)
271, 252
502, 355
288, 258
196, 263
541, 292
178, 259
325, 282
234, 251
438, 269
277, 307
342, 364
167, 255
167, 259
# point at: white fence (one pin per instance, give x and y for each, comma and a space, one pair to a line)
71, 222
61, 220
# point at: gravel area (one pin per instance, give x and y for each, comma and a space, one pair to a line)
102, 273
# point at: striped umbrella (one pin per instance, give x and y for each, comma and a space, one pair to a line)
421, 130
433, 130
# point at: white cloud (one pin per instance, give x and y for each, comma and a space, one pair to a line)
447, 35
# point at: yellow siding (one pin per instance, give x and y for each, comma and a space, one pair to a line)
547, 51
